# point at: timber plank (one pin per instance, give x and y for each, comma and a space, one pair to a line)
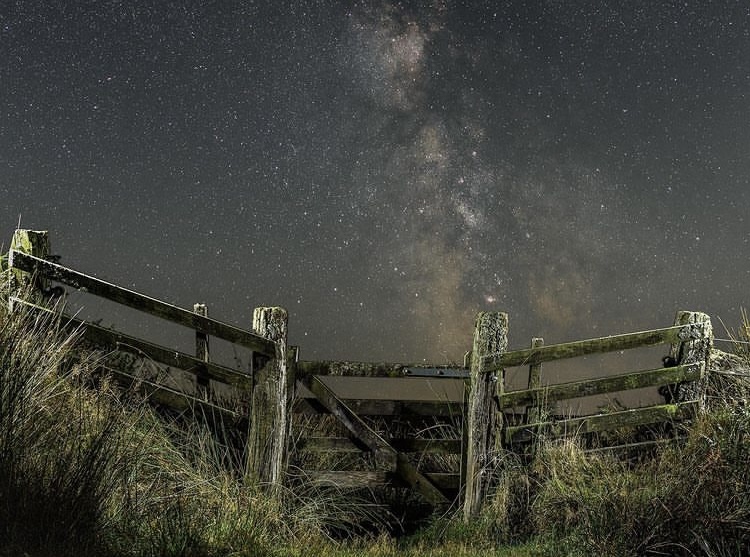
174, 399
603, 422
611, 384
310, 406
350, 369
353, 479
141, 302
428, 446
113, 340
532, 356
374, 441
346, 445
336, 368
348, 479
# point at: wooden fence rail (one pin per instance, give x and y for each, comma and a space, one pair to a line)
109, 339
690, 340
610, 384
603, 422
29, 261
530, 356
53, 271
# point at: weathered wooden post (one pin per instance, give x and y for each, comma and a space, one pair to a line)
32, 242
201, 353
273, 395
696, 343
535, 412
484, 421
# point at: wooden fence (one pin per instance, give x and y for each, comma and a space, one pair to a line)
470, 402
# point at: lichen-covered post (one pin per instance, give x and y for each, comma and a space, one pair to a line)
36, 243
697, 340
484, 421
202, 353
273, 396
535, 412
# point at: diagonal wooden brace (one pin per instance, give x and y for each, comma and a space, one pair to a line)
372, 440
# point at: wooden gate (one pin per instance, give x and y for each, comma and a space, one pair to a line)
388, 394
278, 388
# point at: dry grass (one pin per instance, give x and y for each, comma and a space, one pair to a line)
84, 473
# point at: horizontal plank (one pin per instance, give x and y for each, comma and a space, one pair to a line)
373, 369
603, 422
637, 446
531, 356
112, 340
611, 384
354, 479
141, 302
374, 441
348, 479
176, 400
427, 446
385, 408
346, 445
328, 444
412, 389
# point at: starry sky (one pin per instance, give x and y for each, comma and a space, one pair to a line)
385, 169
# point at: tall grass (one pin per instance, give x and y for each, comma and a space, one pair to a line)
54, 469
83, 472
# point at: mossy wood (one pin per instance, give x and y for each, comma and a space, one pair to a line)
35, 243
346, 445
354, 479
603, 422
360, 369
141, 302
107, 339
175, 400
368, 407
530, 356
484, 421
610, 384
539, 406
272, 400
370, 439
692, 349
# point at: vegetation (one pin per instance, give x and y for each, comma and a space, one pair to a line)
85, 472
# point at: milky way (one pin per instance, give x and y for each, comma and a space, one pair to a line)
385, 171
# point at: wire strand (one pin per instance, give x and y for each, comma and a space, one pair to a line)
731, 340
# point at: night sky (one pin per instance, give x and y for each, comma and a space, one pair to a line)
386, 169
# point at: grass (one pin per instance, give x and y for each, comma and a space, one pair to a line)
84, 472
